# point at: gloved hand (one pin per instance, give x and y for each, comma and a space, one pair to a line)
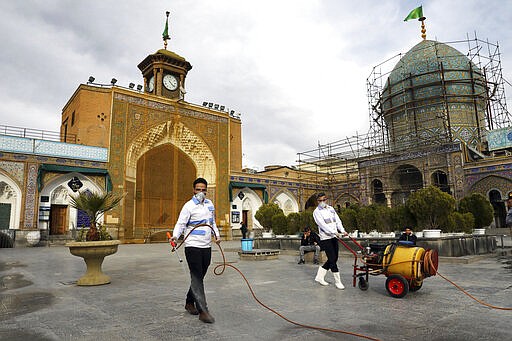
341, 234
173, 241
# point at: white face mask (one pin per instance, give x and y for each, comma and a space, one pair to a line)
322, 204
200, 197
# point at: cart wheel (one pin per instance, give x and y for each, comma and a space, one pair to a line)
415, 286
397, 286
363, 284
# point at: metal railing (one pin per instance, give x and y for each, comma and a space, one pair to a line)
37, 134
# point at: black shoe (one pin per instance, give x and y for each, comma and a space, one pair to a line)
315, 262
206, 317
191, 308
301, 262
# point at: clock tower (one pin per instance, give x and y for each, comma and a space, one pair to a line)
164, 74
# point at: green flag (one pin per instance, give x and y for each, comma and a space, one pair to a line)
165, 34
415, 14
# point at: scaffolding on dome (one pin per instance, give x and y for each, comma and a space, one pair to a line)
337, 161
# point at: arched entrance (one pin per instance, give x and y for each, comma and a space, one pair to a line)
10, 203
55, 214
161, 165
311, 202
163, 184
378, 192
440, 180
247, 202
498, 205
408, 179
286, 202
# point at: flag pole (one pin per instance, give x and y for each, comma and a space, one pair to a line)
165, 35
423, 29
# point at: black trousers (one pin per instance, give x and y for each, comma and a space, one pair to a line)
331, 248
198, 260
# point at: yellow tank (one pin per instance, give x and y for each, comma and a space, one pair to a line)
404, 260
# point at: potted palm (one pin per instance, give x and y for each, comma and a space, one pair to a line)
97, 243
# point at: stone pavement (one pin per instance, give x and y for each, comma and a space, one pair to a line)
39, 300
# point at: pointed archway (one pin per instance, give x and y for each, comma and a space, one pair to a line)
161, 165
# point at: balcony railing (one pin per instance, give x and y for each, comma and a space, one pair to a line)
37, 134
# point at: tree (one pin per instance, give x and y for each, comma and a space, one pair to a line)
265, 213
307, 220
348, 217
95, 205
383, 221
460, 222
366, 219
480, 207
401, 217
293, 223
279, 224
430, 206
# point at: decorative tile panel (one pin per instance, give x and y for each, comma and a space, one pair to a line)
15, 169
24, 145
30, 197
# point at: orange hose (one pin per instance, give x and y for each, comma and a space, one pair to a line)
432, 266
223, 266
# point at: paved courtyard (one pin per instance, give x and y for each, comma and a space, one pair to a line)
40, 301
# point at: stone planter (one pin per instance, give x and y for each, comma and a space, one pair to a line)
266, 234
431, 233
93, 254
33, 238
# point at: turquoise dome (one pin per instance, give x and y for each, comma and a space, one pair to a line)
434, 94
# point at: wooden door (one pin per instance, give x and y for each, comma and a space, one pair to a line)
58, 218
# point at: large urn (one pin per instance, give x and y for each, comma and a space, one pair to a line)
93, 254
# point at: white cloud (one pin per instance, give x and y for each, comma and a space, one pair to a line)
295, 69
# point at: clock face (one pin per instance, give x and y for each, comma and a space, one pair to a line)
170, 82
151, 84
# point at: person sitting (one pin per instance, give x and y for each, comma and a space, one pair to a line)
408, 236
309, 242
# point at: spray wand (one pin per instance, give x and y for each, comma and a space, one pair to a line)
173, 244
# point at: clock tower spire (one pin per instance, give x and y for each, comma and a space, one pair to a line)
164, 72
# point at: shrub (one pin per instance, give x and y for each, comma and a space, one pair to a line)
480, 207
265, 213
293, 222
430, 207
348, 217
307, 220
460, 222
401, 217
279, 224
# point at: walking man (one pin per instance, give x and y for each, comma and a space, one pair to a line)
198, 251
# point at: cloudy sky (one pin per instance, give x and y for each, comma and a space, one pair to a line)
295, 69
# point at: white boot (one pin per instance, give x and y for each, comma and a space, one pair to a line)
320, 276
337, 280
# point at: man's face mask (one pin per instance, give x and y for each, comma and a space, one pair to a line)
322, 204
200, 196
